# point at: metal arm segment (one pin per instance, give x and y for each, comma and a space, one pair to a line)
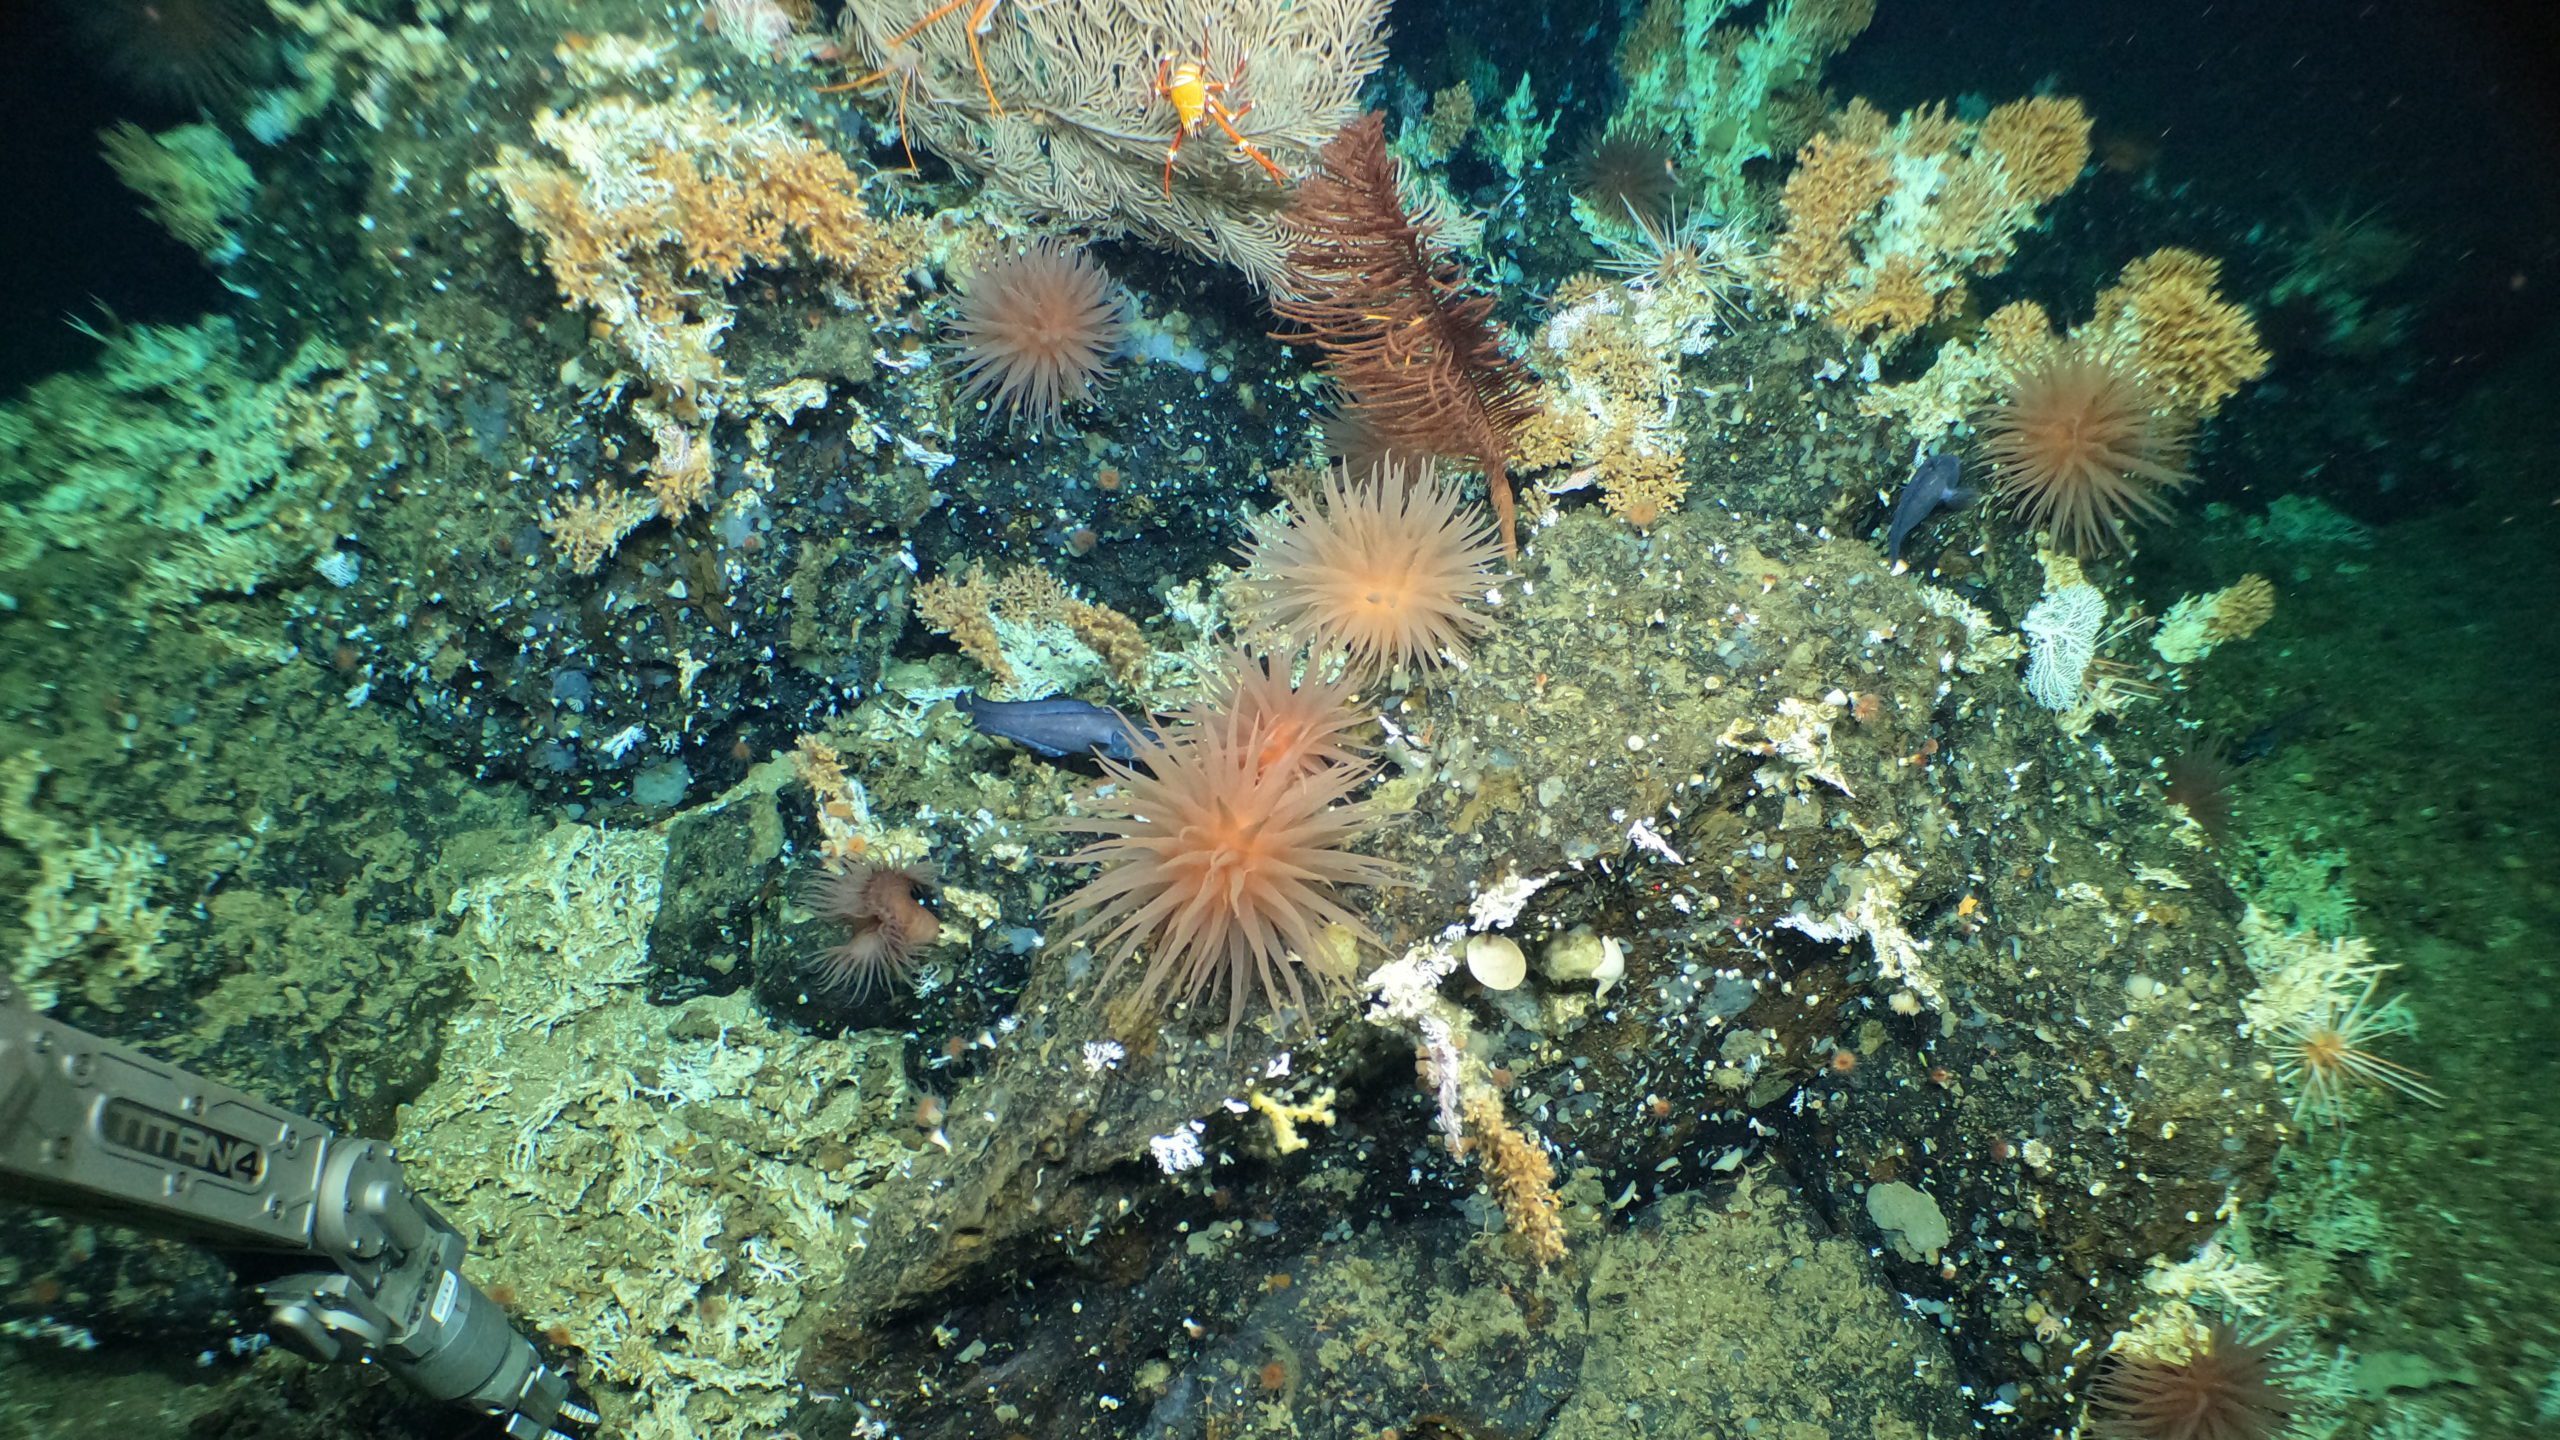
104, 1131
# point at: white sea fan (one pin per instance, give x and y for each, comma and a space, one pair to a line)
2062, 635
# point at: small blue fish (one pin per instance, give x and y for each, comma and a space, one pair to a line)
1056, 727
1930, 488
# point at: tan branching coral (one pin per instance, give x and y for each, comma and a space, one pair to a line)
1607, 413
838, 810
1641, 485
647, 200
1523, 1178
1069, 120
2163, 325
1884, 223
679, 476
978, 611
963, 608
2165, 318
1837, 184
1446, 123
1115, 637
2198, 624
646, 215
588, 528
2243, 608
2042, 142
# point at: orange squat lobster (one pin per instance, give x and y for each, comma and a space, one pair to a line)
1195, 98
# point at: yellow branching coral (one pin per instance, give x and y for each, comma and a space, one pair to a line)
1287, 1115
2017, 333
1641, 486
980, 611
1893, 303
1836, 186
1883, 223
2166, 320
588, 528
964, 609
1113, 636
1607, 410
2042, 142
652, 198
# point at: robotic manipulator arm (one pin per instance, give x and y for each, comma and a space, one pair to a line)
105, 1132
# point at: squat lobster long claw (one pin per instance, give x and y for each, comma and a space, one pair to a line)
1225, 117
982, 18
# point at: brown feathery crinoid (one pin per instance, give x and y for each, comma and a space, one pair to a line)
1221, 865
2081, 450
2225, 1390
1383, 569
1404, 337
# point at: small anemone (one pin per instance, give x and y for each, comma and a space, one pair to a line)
2198, 780
181, 52
1626, 176
886, 924
2225, 1390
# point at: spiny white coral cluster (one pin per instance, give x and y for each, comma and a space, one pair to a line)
2062, 638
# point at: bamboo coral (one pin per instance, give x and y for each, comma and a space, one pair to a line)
1062, 108
1415, 350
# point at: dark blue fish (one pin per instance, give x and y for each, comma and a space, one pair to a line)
1057, 727
1930, 488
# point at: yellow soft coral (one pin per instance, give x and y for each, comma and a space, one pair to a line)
2042, 142
1883, 223
2165, 318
